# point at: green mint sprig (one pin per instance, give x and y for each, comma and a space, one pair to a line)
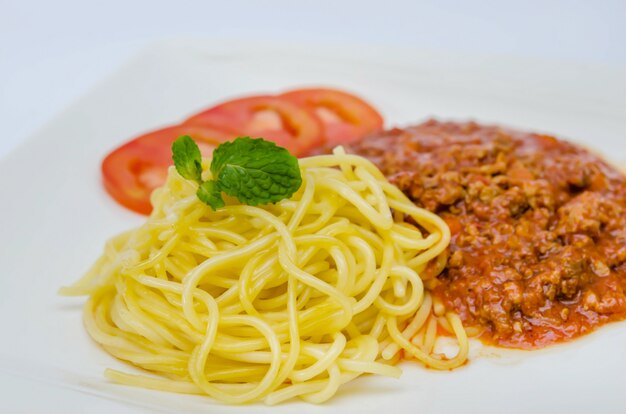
254, 171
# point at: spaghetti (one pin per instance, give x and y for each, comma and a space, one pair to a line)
273, 302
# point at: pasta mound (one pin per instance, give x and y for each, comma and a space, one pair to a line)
272, 302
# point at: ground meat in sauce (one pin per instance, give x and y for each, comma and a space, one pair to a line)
538, 252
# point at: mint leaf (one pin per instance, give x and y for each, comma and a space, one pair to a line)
209, 194
255, 171
187, 158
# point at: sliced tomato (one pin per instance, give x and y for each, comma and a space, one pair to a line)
282, 121
131, 172
346, 118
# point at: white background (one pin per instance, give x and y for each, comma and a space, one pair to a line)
53, 51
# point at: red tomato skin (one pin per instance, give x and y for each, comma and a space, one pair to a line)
295, 127
133, 170
356, 118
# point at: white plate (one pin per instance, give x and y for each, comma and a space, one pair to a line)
56, 217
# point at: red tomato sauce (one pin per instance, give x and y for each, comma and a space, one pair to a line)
538, 249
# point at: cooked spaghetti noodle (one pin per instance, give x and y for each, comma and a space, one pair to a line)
273, 302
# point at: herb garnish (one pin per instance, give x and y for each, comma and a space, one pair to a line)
255, 171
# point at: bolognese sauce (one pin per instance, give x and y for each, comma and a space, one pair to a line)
538, 253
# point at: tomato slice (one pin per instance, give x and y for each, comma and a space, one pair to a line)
282, 121
346, 118
131, 172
